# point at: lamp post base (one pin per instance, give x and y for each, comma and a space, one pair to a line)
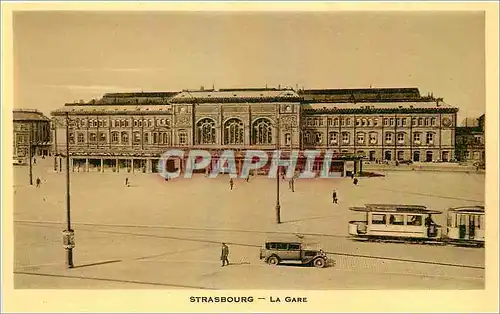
69, 259
278, 215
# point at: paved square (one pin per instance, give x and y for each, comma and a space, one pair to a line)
168, 234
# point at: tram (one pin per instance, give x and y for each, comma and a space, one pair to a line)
466, 225
396, 222
414, 223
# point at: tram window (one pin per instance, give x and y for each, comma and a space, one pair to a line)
414, 220
478, 221
378, 219
396, 220
461, 220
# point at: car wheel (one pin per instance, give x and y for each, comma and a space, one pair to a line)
273, 260
319, 262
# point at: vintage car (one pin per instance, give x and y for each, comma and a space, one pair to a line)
293, 251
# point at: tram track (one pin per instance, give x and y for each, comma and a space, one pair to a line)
335, 253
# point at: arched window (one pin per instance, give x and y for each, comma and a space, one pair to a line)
165, 138
333, 138
233, 132
360, 137
307, 137
114, 137
262, 132
205, 131
137, 137
124, 137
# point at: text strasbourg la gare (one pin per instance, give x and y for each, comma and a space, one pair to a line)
254, 160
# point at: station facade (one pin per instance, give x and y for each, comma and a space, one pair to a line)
130, 131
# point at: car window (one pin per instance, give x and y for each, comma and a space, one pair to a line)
271, 246
294, 247
282, 246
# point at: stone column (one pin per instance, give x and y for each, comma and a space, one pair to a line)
344, 168
117, 165
102, 165
131, 165
86, 165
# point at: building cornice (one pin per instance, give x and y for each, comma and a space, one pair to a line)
378, 110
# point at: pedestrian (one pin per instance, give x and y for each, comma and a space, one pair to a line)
355, 181
334, 197
291, 184
38, 181
231, 183
34, 160
126, 181
352, 175
224, 255
247, 178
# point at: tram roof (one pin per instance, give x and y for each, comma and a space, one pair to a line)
468, 209
395, 208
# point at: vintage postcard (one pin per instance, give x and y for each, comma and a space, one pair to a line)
211, 157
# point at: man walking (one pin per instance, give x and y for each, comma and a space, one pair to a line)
126, 181
231, 183
224, 255
334, 197
291, 184
38, 181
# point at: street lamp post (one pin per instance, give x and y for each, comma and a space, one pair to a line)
278, 206
68, 234
30, 139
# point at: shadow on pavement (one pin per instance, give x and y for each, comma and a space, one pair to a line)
98, 263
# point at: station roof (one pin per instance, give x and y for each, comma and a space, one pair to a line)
86, 109
395, 208
237, 95
362, 94
395, 106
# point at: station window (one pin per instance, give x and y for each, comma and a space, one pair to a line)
378, 219
396, 220
414, 220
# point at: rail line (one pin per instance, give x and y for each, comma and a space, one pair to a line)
240, 244
111, 280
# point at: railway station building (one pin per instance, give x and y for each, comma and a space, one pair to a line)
130, 131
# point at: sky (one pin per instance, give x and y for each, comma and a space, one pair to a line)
62, 57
